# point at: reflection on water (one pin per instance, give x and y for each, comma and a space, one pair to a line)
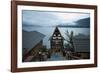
48, 31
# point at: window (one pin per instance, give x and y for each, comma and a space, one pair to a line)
59, 37
58, 34
54, 37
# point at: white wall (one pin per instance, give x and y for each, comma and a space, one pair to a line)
5, 32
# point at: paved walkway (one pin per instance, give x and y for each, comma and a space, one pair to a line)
56, 56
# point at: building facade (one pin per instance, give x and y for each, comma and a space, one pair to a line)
56, 41
82, 45
32, 44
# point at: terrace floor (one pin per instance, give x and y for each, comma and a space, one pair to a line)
56, 56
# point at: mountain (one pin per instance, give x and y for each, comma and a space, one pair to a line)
81, 23
25, 24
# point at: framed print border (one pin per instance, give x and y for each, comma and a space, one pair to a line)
14, 34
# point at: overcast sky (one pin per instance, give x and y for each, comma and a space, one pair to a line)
51, 18
34, 19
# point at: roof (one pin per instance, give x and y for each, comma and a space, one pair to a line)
56, 31
30, 39
82, 47
81, 43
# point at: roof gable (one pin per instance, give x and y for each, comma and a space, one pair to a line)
30, 39
56, 33
81, 43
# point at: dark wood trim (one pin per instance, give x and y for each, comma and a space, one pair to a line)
46, 4
54, 67
13, 36
95, 36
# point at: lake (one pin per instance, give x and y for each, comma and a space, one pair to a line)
48, 31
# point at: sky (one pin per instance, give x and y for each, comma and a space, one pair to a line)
41, 18
38, 20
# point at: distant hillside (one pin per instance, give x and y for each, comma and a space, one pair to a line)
82, 23
30, 25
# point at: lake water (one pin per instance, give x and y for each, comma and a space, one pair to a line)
48, 31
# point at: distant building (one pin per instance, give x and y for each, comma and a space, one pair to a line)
56, 41
32, 42
82, 45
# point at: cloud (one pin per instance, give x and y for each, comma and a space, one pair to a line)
81, 23
44, 18
40, 18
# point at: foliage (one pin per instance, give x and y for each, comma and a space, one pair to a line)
70, 40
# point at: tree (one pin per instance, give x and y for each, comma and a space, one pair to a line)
70, 40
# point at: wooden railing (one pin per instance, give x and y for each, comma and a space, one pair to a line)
71, 56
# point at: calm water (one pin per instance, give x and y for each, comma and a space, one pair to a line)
48, 31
